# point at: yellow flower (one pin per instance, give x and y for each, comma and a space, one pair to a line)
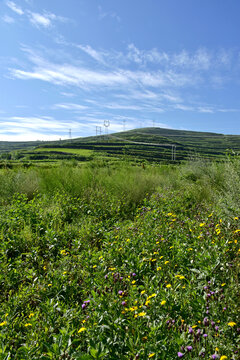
133, 308
31, 315
159, 268
168, 286
163, 302
202, 224
3, 323
151, 355
142, 314
28, 324
224, 357
151, 296
223, 284
236, 231
147, 302
194, 326
236, 218
217, 349
232, 323
133, 282
142, 292
49, 285
166, 262
82, 329
94, 266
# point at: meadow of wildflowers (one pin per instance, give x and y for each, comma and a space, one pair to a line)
105, 275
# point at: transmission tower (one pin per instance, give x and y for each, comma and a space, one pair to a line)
106, 124
70, 134
173, 152
98, 130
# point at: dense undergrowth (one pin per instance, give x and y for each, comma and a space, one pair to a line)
120, 262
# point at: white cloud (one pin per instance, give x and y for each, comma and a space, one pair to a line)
103, 14
70, 106
44, 20
96, 55
144, 56
8, 19
40, 20
15, 7
23, 128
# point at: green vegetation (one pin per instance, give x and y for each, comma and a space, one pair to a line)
150, 144
117, 261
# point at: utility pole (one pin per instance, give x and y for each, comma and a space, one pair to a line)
98, 130
124, 125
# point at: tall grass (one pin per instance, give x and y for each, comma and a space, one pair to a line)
215, 184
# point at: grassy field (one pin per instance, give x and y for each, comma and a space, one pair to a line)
120, 262
83, 152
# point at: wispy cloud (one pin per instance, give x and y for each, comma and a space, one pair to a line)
44, 20
8, 19
103, 14
17, 9
70, 106
96, 55
40, 20
35, 128
68, 74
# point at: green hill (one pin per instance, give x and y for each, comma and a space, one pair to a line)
152, 144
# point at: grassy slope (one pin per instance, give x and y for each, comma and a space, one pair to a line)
188, 144
120, 263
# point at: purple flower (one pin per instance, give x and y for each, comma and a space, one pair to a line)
120, 292
189, 348
216, 328
224, 308
124, 303
106, 276
205, 335
190, 330
214, 356
205, 321
180, 355
205, 287
83, 306
133, 274
86, 301
121, 278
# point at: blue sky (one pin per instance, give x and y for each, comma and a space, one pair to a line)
73, 64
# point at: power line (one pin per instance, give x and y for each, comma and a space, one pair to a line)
173, 146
